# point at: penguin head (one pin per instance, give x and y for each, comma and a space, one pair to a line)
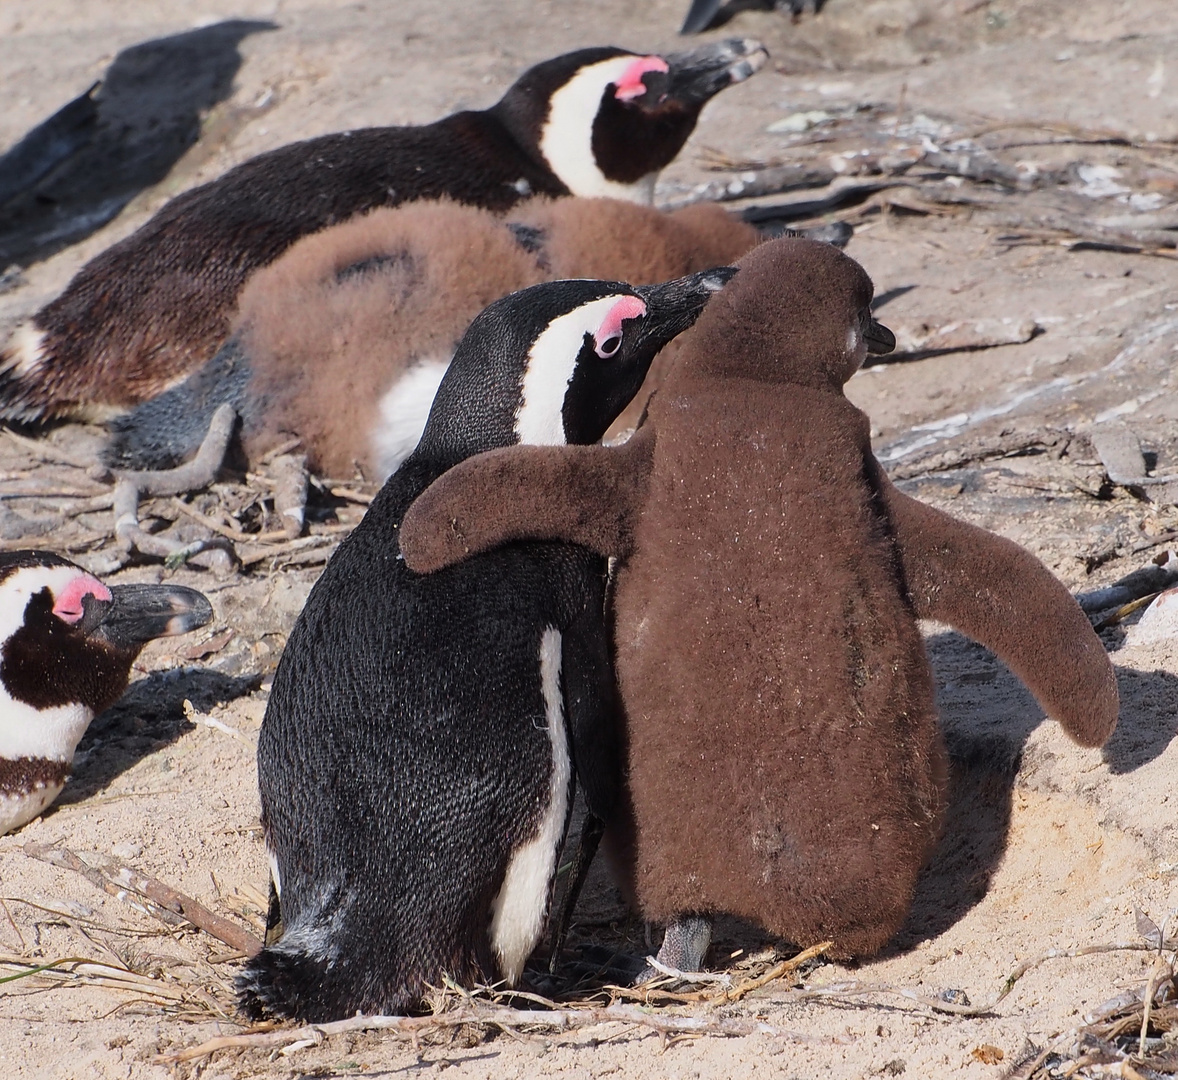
67, 639
606, 121
800, 312
555, 363
67, 642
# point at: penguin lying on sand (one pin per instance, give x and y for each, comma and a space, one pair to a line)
157, 305
415, 762
765, 616
344, 339
67, 643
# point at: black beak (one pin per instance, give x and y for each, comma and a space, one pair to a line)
674, 305
696, 76
139, 613
879, 338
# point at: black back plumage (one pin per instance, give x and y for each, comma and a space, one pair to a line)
405, 753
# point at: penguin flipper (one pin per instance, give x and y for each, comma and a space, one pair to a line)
588, 495
1000, 595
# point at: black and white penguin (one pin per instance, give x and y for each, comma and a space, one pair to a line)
416, 760
67, 642
157, 305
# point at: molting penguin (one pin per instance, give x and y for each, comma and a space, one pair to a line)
765, 616
150, 309
343, 340
416, 758
67, 642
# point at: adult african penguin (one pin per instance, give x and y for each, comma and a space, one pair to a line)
784, 763
67, 642
595, 122
416, 759
343, 340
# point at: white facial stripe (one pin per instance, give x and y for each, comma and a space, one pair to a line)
19, 586
404, 410
517, 914
567, 139
551, 363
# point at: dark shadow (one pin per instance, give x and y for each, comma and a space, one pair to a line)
890, 295
148, 113
986, 753
148, 717
928, 354
1149, 719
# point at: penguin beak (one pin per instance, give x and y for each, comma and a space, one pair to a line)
879, 338
674, 306
137, 614
696, 76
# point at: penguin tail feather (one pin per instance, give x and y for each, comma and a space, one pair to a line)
289, 986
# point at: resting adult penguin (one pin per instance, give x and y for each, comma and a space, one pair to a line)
785, 763
67, 642
343, 340
157, 305
417, 753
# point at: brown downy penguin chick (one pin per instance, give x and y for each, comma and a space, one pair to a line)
344, 340
157, 305
785, 760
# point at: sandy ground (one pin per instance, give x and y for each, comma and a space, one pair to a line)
1047, 846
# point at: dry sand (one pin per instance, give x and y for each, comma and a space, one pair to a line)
1047, 846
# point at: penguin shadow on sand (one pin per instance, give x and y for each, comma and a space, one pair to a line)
148, 717
74, 172
988, 716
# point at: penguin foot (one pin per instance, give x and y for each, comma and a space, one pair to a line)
681, 956
130, 487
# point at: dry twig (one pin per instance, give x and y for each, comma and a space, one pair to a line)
474, 1012
164, 903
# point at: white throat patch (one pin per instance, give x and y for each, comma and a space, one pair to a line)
552, 360
517, 913
567, 139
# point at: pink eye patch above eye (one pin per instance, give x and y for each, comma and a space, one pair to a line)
628, 307
630, 85
68, 603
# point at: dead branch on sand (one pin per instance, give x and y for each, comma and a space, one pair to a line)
151, 895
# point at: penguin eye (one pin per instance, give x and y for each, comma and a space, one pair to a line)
609, 346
